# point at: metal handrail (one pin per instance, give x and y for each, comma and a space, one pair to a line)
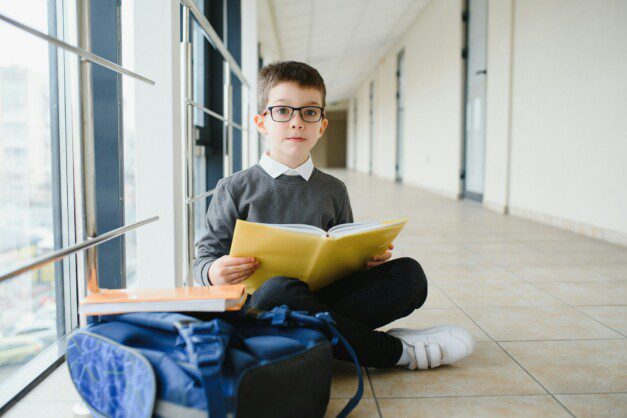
57, 255
202, 195
216, 115
214, 38
86, 55
207, 111
238, 126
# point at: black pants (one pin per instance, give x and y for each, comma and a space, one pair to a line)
359, 303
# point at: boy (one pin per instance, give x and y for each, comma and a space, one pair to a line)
285, 187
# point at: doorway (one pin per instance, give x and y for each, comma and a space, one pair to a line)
473, 166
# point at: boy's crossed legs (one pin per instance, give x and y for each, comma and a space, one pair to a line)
362, 302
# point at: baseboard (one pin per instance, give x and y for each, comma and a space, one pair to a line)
495, 207
581, 228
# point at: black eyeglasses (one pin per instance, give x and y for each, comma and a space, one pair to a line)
284, 113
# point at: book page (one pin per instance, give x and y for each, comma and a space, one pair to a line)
344, 255
354, 228
308, 229
351, 226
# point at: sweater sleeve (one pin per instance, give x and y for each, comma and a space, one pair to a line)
220, 224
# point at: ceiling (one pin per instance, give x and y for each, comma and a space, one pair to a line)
343, 39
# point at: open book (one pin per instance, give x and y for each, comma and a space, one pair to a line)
180, 299
309, 253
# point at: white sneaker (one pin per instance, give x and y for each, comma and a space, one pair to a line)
432, 347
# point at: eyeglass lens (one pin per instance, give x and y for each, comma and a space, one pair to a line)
284, 113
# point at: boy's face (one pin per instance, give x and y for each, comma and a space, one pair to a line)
291, 141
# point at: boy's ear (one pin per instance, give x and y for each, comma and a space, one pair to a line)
323, 125
259, 122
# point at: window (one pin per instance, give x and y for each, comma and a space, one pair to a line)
32, 305
41, 205
211, 153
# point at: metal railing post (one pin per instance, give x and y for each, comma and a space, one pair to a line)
187, 139
87, 146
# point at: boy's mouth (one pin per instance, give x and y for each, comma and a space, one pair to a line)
296, 139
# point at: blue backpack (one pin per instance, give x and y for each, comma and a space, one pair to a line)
262, 364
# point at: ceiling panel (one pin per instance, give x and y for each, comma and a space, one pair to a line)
342, 39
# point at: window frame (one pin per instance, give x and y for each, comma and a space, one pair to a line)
66, 203
106, 41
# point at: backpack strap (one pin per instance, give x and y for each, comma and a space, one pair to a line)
284, 317
206, 344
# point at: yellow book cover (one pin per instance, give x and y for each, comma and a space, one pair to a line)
309, 253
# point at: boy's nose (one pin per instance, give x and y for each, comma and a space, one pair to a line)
297, 120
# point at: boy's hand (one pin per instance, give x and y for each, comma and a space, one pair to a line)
232, 270
381, 258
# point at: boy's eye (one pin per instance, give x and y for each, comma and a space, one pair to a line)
282, 110
311, 112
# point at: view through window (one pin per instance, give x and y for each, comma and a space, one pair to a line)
28, 303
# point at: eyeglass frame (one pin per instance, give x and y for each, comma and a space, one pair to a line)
294, 109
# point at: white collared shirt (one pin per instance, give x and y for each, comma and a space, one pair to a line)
275, 168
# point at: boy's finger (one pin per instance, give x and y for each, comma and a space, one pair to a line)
241, 267
391, 246
236, 261
383, 256
241, 277
238, 280
238, 273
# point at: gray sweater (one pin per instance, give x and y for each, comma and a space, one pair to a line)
253, 195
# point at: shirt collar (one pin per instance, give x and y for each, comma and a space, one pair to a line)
275, 168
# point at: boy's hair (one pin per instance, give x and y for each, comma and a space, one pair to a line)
288, 71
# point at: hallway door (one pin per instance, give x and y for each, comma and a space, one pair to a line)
400, 115
475, 118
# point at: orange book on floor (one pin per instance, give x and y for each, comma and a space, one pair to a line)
180, 299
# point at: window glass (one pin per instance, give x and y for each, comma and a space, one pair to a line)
29, 321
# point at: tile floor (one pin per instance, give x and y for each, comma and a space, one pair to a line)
547, 307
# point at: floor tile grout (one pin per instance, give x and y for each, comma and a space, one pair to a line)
508, 354
374, 395
575, 307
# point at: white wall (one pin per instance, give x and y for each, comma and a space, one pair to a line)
363, 127
498, 117
384, 163
250, 59
556, 141
433, 79
159, 179
568, 125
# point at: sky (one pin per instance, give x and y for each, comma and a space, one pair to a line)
21, 48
